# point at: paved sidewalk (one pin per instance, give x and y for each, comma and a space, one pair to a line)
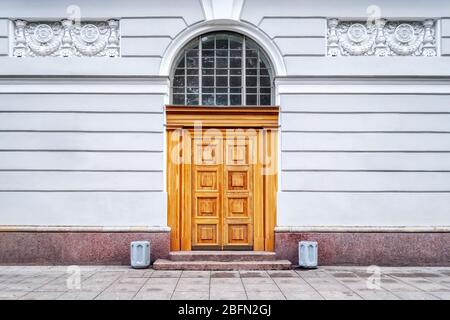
117, 282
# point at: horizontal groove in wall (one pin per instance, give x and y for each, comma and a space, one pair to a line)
81, 150
368, 151
146, 37
69, 170
299, 37
140, 56
81, 191
363, 229
364, 132
367, 93
86, 229
82, 112
364, 112
83, 229
137, 94
304, 55
83, 131
333, 170
365, 191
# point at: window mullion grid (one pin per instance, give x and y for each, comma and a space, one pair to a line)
185, 78
258, 98
244, 68
200, 68
214, 72
229, 72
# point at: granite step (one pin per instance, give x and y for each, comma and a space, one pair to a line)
164, 264
222, 256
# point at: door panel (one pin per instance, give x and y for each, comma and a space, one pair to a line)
222, 194
240, 155
206, 191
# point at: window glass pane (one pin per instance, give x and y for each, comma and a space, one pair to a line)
251, 81
251, 99
235, 62
221, 64
236, 53
192, 90
192, 81
265, 90
192, 62
178, 90
222, 42
222, 72
222, 100
221, 81
235, 81
222, 53
264, 81
208, 99
222, 90
251, 62
264, 100
178, 82
208, 81
207, 53
178, 99
192, 99
208, 62
235, 99
207, 71
181, 64
208, 42
251, 53
208, 89
264, 72
262, 64
236, 43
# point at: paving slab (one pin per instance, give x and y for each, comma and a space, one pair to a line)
186, 295
122, 282
195, 274
79, 295
265, 295
227, 295
302, 295
47, 295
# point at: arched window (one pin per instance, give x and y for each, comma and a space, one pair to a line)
222, 69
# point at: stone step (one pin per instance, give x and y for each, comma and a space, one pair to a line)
222, 256
163, 264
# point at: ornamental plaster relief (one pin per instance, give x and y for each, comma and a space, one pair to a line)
66, 39
381, 38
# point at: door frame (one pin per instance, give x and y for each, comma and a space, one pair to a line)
182, 119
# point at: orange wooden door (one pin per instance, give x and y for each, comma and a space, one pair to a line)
223, 189
240, 157
207, 180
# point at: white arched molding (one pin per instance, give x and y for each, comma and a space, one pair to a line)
272, 51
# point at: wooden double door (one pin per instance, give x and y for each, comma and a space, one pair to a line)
225, 189
221, 177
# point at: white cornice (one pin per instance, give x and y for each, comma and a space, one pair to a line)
361, 229
144, 229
